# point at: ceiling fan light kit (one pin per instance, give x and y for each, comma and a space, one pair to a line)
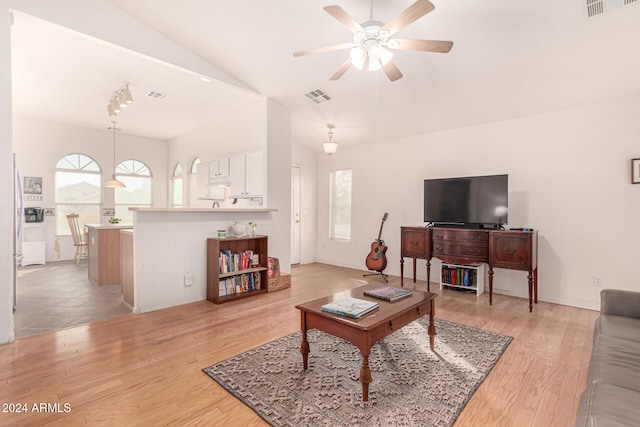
370, 49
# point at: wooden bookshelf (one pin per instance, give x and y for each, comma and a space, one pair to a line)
258, 245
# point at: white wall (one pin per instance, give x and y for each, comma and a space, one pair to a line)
39, 145
569, 177
278, 133
160, 262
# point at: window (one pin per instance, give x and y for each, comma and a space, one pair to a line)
194, 165
193, 182
340, 205
176, 186
78, 184
137, 193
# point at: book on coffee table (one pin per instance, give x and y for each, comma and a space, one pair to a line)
388, 293
350, 307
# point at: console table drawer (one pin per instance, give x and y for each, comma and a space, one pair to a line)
468, 236
472, 252
414, 242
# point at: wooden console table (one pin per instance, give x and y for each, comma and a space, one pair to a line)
514, 250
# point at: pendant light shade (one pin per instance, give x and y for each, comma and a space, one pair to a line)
114, 183
330, 147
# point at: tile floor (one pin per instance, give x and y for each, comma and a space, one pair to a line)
59, 295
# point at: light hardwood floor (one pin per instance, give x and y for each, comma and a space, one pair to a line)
146, 369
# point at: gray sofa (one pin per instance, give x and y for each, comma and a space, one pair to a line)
612, 395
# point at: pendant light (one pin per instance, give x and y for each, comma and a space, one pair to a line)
330, 147
114, 183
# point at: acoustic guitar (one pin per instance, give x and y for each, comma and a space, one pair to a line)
377, 260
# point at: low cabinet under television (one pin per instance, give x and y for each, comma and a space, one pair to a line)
466, 277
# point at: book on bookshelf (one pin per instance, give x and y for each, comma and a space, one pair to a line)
238, 284
229, 262
350, 307
388, 293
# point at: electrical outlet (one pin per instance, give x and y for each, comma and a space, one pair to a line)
188, 279
597, 281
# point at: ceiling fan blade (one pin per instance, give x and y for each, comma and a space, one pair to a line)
409, 15
339, 13
440, 46
343, 69
324, 49
392, 71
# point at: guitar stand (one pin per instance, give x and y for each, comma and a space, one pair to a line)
384, 276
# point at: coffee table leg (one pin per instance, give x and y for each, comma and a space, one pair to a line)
365, 377
304, 346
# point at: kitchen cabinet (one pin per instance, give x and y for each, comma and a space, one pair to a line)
210, 177
247, 174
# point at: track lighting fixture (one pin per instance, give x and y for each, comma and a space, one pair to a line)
119, 100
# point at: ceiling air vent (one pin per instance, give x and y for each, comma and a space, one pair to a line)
156, 95
318, 96
598, 7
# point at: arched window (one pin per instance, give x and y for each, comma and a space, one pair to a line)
77, 183
193, 182
194, 165
176, 186
137, 193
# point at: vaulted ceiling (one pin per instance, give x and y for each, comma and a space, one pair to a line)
509, 59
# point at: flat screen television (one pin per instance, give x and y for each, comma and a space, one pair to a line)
473, 201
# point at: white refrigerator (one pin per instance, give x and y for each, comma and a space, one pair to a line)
18, 226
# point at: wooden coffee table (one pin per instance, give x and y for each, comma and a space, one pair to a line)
369, 329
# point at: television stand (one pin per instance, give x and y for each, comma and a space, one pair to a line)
513, 250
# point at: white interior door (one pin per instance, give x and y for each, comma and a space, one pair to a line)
295, 214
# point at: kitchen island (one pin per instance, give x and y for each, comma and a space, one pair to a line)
104, 253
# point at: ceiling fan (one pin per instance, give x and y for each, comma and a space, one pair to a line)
372, 40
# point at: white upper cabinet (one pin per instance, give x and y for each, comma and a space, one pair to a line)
256, 178
247, 174
219, 169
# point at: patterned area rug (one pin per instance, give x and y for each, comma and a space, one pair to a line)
411, 386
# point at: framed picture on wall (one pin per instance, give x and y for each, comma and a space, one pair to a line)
635, 171
32, 185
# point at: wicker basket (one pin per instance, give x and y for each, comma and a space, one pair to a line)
279, 283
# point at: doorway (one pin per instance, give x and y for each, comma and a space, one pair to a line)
296, 174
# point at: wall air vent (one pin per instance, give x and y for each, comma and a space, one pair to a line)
318, 96
156, 95
598, 7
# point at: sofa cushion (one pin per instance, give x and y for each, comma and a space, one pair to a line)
618, 326
608, 405
615, 361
